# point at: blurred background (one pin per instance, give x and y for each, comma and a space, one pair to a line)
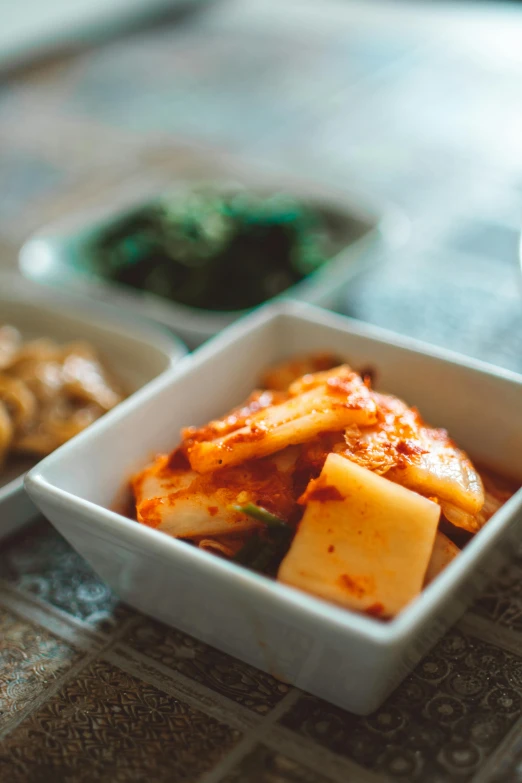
417, 104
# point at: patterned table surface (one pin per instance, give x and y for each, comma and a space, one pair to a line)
419, 105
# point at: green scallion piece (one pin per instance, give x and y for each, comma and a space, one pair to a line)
262, 515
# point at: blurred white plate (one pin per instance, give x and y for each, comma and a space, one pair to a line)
135, 352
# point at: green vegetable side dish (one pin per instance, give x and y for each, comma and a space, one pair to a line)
213, 251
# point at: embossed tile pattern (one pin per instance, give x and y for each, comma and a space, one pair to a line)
30, 660
244, 684
501, 601
40, 561
439, 725
263, 765
106, 725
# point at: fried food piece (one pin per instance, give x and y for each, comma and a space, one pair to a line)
49, 392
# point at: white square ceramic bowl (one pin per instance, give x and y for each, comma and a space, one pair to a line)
351, 660
135, 351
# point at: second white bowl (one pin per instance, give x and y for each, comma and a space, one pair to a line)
135, 352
